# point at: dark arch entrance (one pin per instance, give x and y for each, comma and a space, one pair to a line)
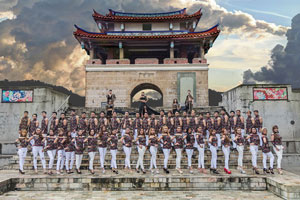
154, 94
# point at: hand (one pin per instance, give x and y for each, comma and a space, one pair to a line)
277, 149
140, 146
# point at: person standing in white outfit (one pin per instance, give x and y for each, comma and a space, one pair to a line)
92, 143
113, 144
153, 143
22, 143
102, 146
254, 142
37, 149
141, 147
127, 144
200, 138
70, 154
240, 143
213, 140
79, 148
266, 149
178, 141
189, 148
226, 143
165, 138
276, 140
50, 147
60, 141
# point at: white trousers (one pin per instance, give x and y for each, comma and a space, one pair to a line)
232, 139
22, 155
70, 158
102, 152
38, 150
60, 159
51, 155
113, 163
92, 157
189, 153
178, 157
166, 157
153, 151
265, 157
127, 151
140, 162
240, 150
254, 150
226, 151
78, 160
219, 139
279, 155
201, 156
213, 162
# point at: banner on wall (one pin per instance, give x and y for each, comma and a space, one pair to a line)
17, 96
271, 93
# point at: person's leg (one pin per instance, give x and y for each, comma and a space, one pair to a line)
59, 158
72, 159
77, 157
42, 157
139, 158
232, 139
265, 156
100, 155
166, 157
63, 159
91, 161
270, 154
21, 161
68, 157
35, 154
240, 150
219, 139
142, 157
253, 154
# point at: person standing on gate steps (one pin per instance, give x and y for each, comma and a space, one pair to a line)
110, 97
143, 103
189, 102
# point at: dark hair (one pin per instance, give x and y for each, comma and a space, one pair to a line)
26, 111
249, 111
54, 113
188, 137
232, 111
110, 90
207, 112
162, 110
217, 112
102, 112
44, 112
223, 110
72, 110
238, 110
93, 112
34, 114
274, 127
255, 111
83, 113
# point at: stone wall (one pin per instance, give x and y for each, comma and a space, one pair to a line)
11, 113
123, 79
281, 113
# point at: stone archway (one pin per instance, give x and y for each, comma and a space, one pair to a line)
154, 94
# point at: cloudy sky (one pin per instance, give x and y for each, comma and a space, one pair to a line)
257, 42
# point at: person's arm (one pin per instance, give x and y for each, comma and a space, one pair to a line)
37, 124
180, 121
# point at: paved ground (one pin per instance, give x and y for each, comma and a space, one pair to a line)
205, 195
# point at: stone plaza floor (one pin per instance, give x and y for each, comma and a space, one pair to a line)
124, 195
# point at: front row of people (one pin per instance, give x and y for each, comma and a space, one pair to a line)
69, 148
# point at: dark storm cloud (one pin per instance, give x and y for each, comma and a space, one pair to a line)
38, 43
284, 66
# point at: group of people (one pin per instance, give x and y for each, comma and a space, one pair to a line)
67, 139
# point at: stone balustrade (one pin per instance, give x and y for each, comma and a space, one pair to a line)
117, 61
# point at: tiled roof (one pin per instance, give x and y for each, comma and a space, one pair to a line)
148, 17
153, 35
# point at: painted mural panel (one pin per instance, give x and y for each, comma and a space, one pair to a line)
17, 96
271, 93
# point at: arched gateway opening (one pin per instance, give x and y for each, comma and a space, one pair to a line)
154, 94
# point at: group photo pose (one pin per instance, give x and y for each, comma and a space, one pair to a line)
188, 134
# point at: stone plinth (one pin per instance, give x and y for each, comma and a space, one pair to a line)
175, 61
146, 61
117, 61
199, 60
